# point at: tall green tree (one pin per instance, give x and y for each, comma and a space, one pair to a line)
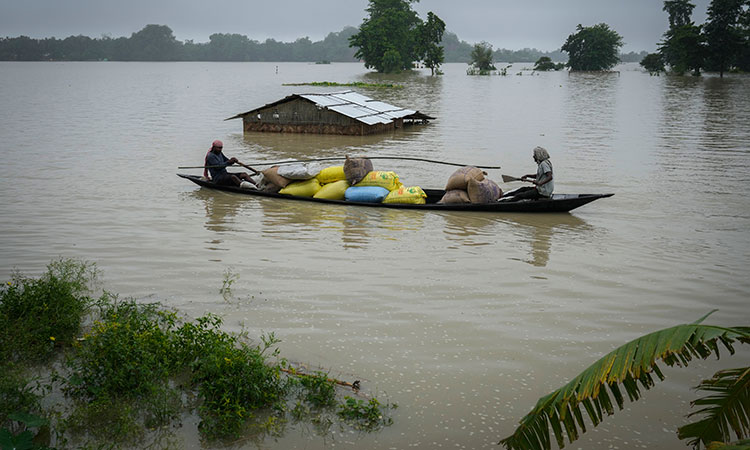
154, 43
723, 34
679, 12
743, 60
683, 47
430, 36
481, 57
392, 38
593, 48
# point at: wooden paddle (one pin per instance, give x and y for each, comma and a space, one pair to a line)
248, 167
508, 178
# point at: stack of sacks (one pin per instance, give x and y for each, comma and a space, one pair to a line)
295, 179
356, 170
333, 183
469, 185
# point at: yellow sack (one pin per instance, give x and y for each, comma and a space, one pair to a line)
413, 195
306, 188
333, 191
331, 174
388, 180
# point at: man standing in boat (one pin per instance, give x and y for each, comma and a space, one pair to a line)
216, 164
543, 179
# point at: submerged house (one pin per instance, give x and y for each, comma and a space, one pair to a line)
331, 113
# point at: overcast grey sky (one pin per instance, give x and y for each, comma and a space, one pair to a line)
541, 24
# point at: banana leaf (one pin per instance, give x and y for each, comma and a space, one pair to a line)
726, 409
630, 365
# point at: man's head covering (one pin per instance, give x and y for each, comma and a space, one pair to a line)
217, 143
540, 154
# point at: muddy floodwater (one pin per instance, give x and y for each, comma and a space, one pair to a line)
462, 319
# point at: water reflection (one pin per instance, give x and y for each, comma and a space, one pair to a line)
357, 226
538, 230
726, 115
703, 128
590, 109
220, 210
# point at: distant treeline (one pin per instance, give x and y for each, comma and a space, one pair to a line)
157, 43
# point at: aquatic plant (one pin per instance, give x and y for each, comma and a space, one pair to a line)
359, 84
366, 416
138, 367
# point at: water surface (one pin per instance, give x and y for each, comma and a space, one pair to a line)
462, 319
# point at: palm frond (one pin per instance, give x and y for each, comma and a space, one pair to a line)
724, 411
739, 445
629, 365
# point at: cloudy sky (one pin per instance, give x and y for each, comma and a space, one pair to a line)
541, 24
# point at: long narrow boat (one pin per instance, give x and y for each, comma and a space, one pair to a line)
558, 203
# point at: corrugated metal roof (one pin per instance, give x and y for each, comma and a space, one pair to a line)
353, 105
359, 107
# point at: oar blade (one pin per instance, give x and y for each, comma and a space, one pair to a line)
508, 178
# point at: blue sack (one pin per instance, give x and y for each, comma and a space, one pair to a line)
367, 194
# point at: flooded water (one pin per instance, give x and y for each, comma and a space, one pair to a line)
462, 319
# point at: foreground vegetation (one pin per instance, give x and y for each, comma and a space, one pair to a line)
82, 371
725, 414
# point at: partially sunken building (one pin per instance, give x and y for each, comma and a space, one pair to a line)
332, 113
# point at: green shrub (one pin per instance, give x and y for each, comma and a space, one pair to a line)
16, 394
138, 367
38, 314
319, 391
126, 354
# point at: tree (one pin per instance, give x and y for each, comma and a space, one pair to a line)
430, 35
394, 36
154, 43
481, 57
743, 60
653, 62
593, 48
683, 45
679, 12
625, 367
386, 40
545, 63
723, 34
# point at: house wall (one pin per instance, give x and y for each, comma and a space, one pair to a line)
302, 116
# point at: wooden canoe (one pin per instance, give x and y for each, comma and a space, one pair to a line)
557, 204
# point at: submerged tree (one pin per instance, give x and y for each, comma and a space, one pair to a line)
481, 57
545, 64
653, 62
593, 48
723, 34
392, 38
683, 45
430, 35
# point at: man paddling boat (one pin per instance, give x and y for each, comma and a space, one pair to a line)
216, 166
